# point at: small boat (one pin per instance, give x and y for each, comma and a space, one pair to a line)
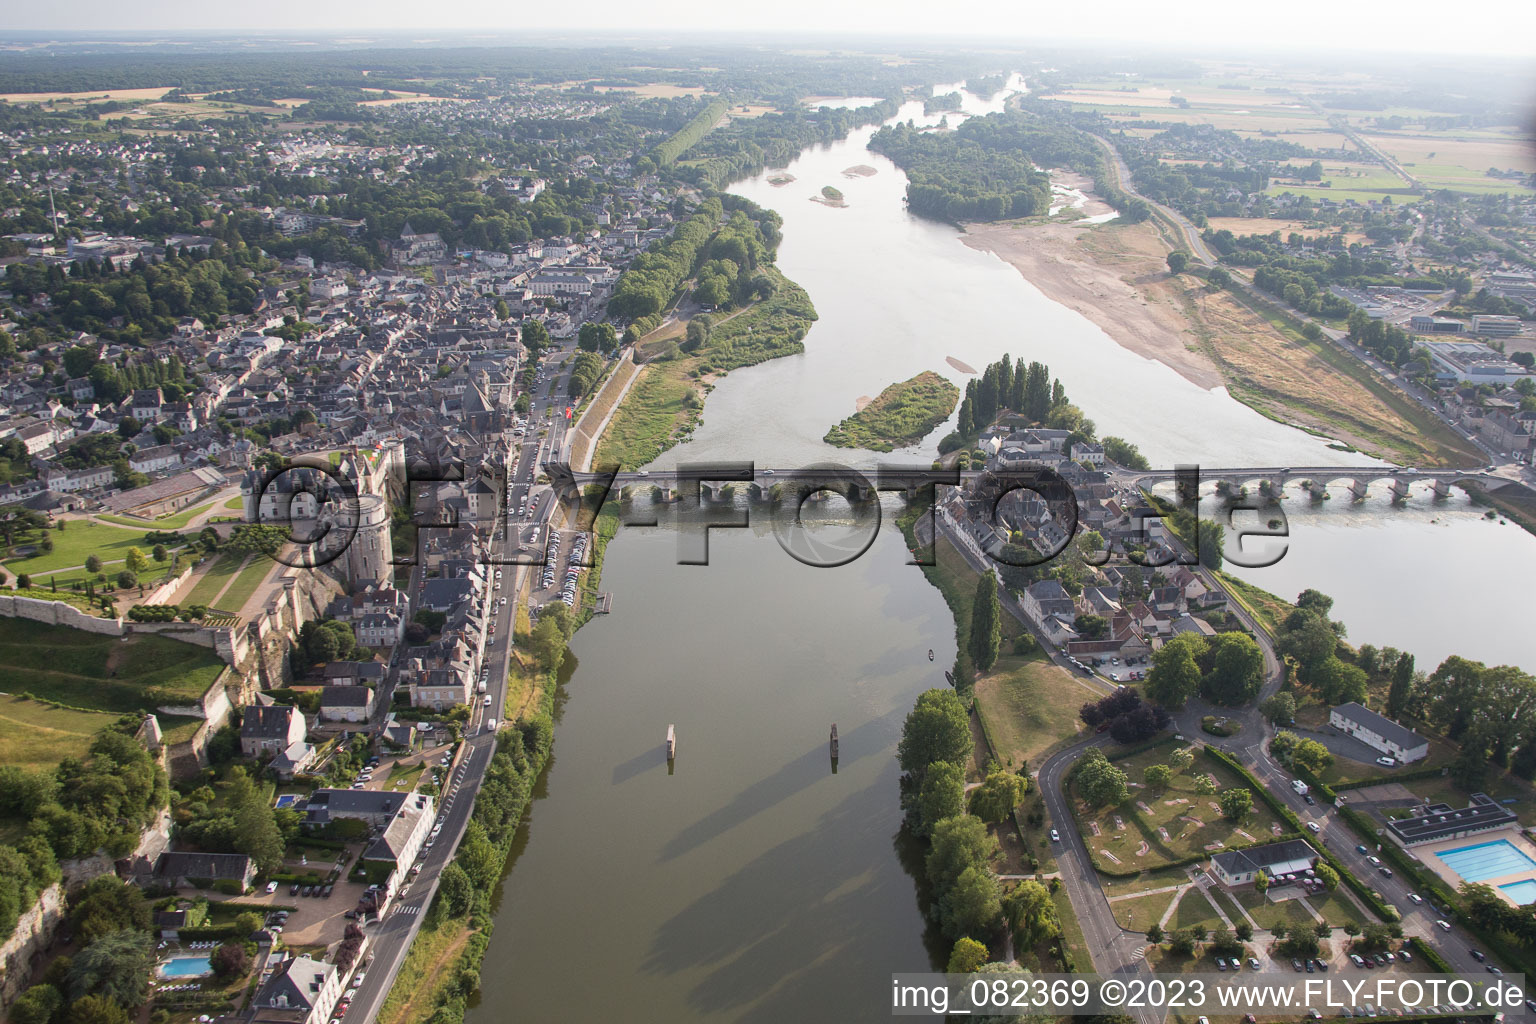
671, 742
930, 654
949, 676
834, 741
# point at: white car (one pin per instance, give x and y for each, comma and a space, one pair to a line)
487, 700
1386, 762
1314, 827
271, 888
1055, 836
1415, 898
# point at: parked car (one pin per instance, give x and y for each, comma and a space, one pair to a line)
328, 890
1415, 898
1322, 965
1361, 849
1387, 762
1253, 963
1314, 827
293, 890
271, 888
1445, 926
1055, 836
1296, 966
1477, 955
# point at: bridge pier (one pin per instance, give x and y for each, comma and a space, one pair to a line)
1442, 489
1359, 488
715, 490
761, 490
1399, 489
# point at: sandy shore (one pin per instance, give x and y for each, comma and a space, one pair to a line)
1065, 262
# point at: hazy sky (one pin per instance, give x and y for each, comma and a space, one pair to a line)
1435, 26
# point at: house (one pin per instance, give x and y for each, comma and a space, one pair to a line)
1379, 732
403, 819
1431, 822
155, 459
177, 869
1280, 862
270, 729
294, 758
299, 991
346, 703
145, 405
1046, 598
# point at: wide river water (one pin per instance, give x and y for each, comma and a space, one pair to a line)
752, 883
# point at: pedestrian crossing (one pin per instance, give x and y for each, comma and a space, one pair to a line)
408, 909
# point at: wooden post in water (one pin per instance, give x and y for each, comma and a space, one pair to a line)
671, 742
834, 748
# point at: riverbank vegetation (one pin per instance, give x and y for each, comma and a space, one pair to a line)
666, 401
990, 167
902, 415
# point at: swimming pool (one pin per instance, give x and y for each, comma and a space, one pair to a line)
186, 967
1523, 893
1487, 860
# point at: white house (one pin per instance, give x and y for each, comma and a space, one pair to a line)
1280, 862
1379, 732
300, 991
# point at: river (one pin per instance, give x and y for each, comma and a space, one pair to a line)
752, 883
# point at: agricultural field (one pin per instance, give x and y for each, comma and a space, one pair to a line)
1155, 829
1457, 160
102, 673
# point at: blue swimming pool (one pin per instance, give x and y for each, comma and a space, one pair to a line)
1487, 860
186, 967
1523, 893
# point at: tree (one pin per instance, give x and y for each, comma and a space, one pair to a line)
1338, 682
135, 561
1099, 782
986, 625
1243, 931
967, 955
1205, 785
1155, 933
1219, 278
1175, 674
37, 1005
1280, 709
1236, 804
941, 796
1311, 755
160, 553
1157, 777
1328, 876
1031, 913
994, 800
1261, 886
455, 890
1181, 760
92, 564
971, 906
936, 729
958, 843
1177, 261
230, 959
1182, 943
96, 1009
23, 581
115, 967
126, 579
1401, 691
247, 923
107, 905
1237, 670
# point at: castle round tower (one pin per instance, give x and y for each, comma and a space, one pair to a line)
369, 553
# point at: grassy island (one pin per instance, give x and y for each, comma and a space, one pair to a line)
903, 415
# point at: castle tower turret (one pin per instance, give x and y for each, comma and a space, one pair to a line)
369, 553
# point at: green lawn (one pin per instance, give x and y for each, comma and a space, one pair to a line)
38, 735
246, 584
235, 504
1028, 704
102, 673
1194, 909
214, 579
1139, 912
652, 417
79, 540
1193, 823
1157, 878
1337, 908
1266, 914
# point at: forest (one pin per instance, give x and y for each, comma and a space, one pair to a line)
987, 169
